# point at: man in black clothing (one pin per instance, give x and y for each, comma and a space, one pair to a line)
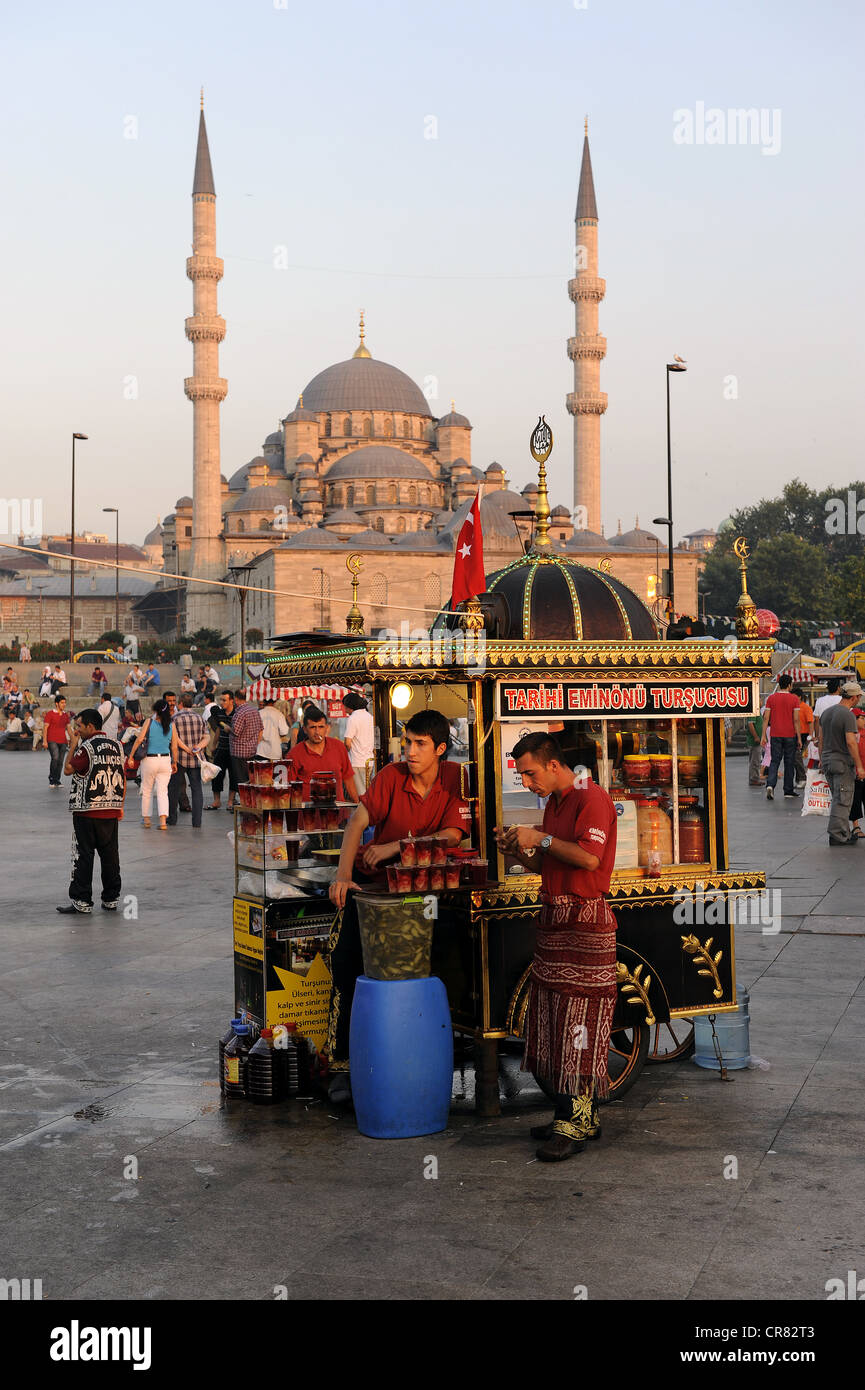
220, 718
95, 763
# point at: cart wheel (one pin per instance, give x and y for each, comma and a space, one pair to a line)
629, 1048
671, 1041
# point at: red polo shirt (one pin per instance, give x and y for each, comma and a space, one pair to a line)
56, 725
585, 816
334, 759
395, 808
780, 707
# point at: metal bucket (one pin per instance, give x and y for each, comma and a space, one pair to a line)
395, 936
734, 1038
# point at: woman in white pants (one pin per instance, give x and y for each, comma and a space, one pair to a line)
158, 741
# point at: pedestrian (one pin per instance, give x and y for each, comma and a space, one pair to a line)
806, 725
45, 682
56, 725
219, 714
754, 740
11, 736
246, 731
24, 653
841, 760
274, 730
359, 738
133, 689
98, 681
151, 677
187, 685
858, 805
158, 742
109, 714
58, 679
572, 987
318, 753
191, 734
824, 702
95, 764
212, 675
782, 712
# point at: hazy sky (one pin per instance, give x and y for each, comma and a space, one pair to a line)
746, 263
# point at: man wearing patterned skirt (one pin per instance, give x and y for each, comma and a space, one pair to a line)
572, 987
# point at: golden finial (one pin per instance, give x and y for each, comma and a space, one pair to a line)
453, 405
202, 98
362, 350
586, 127
300, 398
354, 617
746, 608
541, 445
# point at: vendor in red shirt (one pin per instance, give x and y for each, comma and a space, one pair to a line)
56, 722
318, 753
572, 988
781, 712
405, 798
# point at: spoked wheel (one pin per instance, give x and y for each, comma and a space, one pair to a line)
672, 1041
629, 1048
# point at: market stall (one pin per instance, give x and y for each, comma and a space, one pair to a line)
558, 646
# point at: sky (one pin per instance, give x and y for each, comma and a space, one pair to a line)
744, 258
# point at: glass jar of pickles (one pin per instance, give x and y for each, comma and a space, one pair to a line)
692, 832
637, 769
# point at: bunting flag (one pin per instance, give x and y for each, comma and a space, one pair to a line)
469, 578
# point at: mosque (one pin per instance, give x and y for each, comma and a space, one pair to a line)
362, 465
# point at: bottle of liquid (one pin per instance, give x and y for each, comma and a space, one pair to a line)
285, 1056
223, 1042
236, 1061
265, 1076
304, 1064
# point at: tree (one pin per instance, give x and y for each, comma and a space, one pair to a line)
848, 590
790, 576
209, 638
113, 638
254, 637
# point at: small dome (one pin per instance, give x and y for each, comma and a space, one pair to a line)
443, 518
494, 468
459, 463
416, 540
378, 461
454, 418
495, 519
265, 497
274, 440
587, 540
237, 481
637, 539
182, 502
343, 516
362, 383
373, 539
314, 538
155, 536
304, 459
300, 412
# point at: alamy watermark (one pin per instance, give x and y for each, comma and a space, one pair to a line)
444, 647
733, 125
21, 516
715, 908
845, 516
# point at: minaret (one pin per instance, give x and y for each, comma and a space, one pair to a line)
587, 349
206, 389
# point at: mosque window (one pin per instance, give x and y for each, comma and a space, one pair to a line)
322, 597
378, 590
370, 492
263, 524
412, 496
391, 492
188, 531
379, 523
367, 427
432, 592
406, 428
563, 536
346, 425
388, 428
240, 526
327, 427
401, 525
349, 496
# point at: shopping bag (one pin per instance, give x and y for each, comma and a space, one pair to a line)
208, 770
817, 800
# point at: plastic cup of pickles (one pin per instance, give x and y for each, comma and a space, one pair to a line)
395, 936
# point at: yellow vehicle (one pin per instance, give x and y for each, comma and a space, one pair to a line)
255, 656
854, 657
96, 657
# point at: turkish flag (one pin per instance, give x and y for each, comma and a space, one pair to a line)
469, 579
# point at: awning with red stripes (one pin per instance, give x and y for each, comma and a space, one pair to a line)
264, 690
804, 675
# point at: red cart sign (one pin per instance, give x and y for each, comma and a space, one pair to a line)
627, 699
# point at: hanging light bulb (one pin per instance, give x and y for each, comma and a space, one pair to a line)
400, 695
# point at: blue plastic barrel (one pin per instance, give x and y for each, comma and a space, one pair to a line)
734, 1038
402, 1057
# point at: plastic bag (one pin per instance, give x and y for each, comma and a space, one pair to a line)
817, 800
208, 770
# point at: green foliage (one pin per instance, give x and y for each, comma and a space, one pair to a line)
110, 639
208, 638
254, 637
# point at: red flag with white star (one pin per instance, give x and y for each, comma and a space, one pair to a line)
469, 579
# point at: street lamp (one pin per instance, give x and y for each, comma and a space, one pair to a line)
72, 557
41, 591
677, 365
116, 512
235, 571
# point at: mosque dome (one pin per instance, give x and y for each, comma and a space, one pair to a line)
314, 538
375, 540
583, 539
495, 519
182, 502
552, 598
300, 412
454, 418
155, 536
636, 539
237, 481
274, 441
362, 383
378, 461
266, 497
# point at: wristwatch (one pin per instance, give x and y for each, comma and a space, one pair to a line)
545, 843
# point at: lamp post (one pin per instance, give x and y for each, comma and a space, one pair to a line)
116, 512
677, 365
72, 557
665, 521
236, 571
41, 591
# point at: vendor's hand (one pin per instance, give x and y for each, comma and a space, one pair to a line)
504, 837
374, 855
525, 837
338, 891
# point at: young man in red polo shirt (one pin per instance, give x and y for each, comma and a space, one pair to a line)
405, 798
781, 719
572, 988
318, 753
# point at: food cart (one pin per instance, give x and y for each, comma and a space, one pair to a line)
555, 645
